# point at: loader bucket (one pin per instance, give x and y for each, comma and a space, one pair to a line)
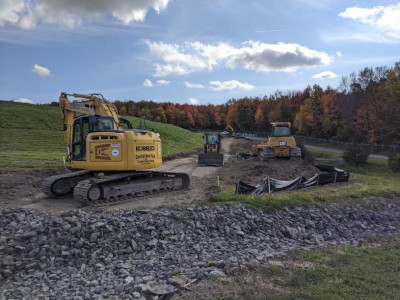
211, 159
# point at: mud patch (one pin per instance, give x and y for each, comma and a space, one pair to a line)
16, 186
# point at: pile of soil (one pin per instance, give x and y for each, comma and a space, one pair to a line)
252, 170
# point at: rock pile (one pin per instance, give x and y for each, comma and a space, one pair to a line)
150, 254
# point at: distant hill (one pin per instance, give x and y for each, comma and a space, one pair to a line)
31, 136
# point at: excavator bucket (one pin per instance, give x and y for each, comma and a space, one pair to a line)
211, 159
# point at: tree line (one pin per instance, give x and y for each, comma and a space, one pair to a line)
364, 108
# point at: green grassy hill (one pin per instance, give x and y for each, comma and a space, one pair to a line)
31, 137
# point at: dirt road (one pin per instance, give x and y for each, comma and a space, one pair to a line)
23, 189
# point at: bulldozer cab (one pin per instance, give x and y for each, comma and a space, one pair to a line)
281, 130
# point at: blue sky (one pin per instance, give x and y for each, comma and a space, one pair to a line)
199, 51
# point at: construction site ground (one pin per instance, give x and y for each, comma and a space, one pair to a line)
23, 188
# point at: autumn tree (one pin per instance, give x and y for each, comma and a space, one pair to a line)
131, 108
170, 114
262, 113
145, 112
122, 111
329, 120
244, 114
159, 115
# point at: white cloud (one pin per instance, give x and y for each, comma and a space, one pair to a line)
230, 85
10, 10
193, 101
41, 71
193, 85
147, 83
383, 21
325, 74
276, 57
172, 59
365, 15
165, 70
163, 82
27, 13
338, 53
23, 100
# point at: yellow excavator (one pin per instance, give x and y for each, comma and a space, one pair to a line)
110, 160
231, 131
281, 143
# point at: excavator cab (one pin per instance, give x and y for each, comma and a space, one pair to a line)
83, 125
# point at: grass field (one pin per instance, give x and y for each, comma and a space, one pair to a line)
31, 137
370, 271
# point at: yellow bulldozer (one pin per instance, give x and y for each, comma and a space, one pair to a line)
110, 160
281, 143
212, 147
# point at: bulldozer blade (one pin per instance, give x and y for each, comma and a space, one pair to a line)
211, 159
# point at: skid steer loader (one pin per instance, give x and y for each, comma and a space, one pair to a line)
281, 143
211, 155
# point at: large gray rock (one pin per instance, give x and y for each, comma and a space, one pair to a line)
138, 254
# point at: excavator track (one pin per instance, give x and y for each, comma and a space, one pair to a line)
60, 186
125, 187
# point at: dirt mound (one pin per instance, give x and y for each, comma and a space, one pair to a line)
252, 170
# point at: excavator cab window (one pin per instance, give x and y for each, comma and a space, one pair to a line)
81, 130
100, 123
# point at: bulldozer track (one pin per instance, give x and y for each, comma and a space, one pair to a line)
266, 153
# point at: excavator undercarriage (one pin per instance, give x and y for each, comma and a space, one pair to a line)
109, 188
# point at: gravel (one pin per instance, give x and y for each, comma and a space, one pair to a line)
151, 254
